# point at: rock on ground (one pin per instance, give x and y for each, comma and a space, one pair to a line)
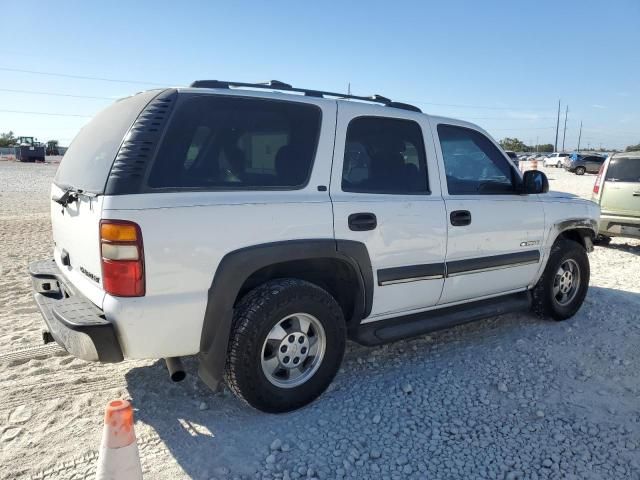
431, 407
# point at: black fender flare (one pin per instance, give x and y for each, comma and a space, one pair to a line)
234, 269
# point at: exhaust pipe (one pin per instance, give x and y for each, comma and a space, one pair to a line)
176, 370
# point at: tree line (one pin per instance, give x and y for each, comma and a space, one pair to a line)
517, 145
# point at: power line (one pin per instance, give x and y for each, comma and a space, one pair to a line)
47, 113
54, 94
523, 128
476, 106
81, 77
507, 118
140, 82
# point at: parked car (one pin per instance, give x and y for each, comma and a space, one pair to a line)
617, 191
581, 164
513, 156
259, 229
556, 159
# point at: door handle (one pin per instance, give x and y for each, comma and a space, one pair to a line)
360, 222
460, 218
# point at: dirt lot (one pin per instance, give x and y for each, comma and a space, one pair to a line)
508, 397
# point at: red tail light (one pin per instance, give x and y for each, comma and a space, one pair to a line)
596, 186
122, 258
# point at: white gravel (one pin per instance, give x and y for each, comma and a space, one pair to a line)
509, 397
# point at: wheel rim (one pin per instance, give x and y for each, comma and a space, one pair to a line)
293, 350
566, 282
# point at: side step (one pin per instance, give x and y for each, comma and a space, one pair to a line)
392, 329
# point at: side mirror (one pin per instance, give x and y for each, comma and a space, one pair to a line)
534, 181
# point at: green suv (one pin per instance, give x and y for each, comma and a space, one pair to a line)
617, 191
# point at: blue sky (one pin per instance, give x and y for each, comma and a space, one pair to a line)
502, 65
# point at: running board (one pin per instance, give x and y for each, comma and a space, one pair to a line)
392, 329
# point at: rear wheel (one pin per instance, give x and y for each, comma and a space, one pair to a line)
287, 342
561, 290
580, 171
559, 165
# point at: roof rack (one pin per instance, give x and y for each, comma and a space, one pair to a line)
278, 85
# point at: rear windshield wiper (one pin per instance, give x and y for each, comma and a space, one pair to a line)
70, 195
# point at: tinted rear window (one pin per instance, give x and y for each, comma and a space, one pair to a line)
216, 142
87, 162
384, 155
624, 170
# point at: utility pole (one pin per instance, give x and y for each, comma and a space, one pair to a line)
537, 142
579, 137
566, 113
555, 145
349, 88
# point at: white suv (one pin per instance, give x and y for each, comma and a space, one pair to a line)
259, 226
555, 160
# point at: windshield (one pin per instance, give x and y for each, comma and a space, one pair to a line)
86, 164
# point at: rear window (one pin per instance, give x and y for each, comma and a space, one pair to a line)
228, 143
624, 169
87, 162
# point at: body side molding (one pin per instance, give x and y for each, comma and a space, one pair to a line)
434, 271
473, 265
431, 271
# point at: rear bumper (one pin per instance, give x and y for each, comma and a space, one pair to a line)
73, 321
617, 226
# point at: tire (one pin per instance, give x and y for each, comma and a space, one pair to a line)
559, 165
546, 301
580, 171
255, 369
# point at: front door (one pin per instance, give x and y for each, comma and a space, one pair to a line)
386, 194
494, 234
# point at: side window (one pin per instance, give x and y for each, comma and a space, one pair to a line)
473, 164
384, 155
216, 142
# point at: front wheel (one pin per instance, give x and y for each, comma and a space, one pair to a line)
563, 286
287, 342
559, 165
580, 171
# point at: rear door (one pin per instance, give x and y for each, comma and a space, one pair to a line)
386, 194
494, 233
621, 187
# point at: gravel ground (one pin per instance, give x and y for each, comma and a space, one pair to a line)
508, 397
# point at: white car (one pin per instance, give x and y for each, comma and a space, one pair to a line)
556, 160
261, 227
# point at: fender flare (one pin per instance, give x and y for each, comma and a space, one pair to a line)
587, 228
238, 265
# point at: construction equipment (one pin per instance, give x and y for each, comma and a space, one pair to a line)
28, 149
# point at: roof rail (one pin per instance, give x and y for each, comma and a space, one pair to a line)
278, 85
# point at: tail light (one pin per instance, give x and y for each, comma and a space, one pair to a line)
122, 258
596, 186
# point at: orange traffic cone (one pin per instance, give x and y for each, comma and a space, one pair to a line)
119, 458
